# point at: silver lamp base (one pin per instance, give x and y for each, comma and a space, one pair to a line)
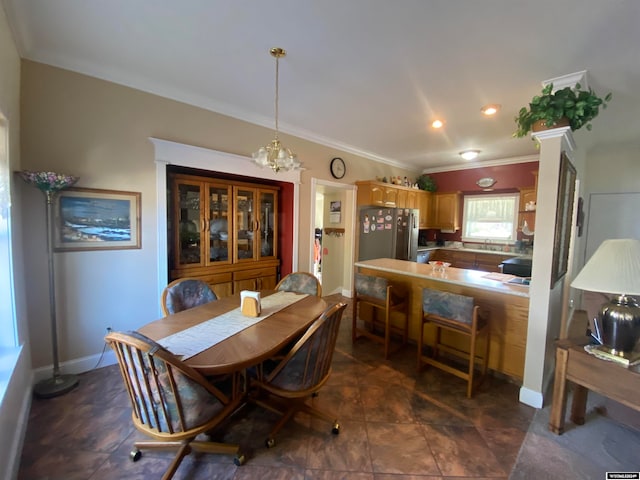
55, 386
620, 326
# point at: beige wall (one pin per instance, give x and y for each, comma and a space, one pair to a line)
16, 399
99, 131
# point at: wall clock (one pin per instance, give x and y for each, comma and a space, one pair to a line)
337, 167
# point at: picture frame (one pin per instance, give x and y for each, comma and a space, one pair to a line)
335, 208
94, 219
564, 212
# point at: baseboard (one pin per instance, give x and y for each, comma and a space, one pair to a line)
530, 397
78, 365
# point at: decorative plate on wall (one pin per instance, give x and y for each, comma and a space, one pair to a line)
486, 182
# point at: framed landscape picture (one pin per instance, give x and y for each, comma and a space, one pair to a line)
92, 219
564, 212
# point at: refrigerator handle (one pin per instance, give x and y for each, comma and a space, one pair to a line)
408, 237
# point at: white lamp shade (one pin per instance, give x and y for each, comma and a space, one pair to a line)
613, 268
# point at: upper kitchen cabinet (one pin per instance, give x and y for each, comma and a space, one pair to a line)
424, 204
373, 193
377, 193
223, 232
527, 208
446, 211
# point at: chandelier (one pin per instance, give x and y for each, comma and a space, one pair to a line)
274, 155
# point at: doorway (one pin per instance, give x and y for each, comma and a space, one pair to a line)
331, 235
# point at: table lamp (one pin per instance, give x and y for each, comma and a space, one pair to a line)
615, 268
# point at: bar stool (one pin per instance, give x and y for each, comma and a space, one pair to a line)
380, 294
458, 314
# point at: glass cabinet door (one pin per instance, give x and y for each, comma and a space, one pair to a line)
267, 227
219, 224
245, 224
188, 219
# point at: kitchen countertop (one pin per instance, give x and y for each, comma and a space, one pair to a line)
422, 248
458, 276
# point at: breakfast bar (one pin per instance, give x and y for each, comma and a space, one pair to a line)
507, 305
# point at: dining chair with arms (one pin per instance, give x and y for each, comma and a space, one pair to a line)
458, 314
286, 387
300, 282
185, 293
381, 295
171, 402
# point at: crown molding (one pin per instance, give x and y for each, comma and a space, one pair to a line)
484, 164
568, 80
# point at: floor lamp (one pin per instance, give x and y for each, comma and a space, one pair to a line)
51, 183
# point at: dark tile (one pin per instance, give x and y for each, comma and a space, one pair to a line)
396, 424
462, 452
336, 475
348, 451
400, 449
386, 403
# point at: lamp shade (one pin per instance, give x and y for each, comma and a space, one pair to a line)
613, 268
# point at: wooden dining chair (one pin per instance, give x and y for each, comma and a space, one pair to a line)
171, 402
300, 282
185, 293
286, 387
381, 295
457, 314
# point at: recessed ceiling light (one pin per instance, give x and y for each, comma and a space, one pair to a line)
470, 154
490, 110
437, 123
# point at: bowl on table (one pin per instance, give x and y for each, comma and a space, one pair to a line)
438, 266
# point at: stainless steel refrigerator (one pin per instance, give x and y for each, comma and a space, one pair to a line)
387, 233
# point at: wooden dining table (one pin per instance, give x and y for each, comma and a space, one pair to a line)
247, 347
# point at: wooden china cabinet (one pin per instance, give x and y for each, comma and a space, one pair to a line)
224, 232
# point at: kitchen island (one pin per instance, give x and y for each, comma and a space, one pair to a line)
506, 305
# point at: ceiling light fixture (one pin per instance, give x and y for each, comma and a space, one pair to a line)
437, 123
274, 155
490, 109
470, 154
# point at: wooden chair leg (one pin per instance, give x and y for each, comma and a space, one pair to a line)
487, 339
436, 347
354, 320
472, 365
420, 346
387, 332
406, 324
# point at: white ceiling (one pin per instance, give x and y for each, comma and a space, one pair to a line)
365, 76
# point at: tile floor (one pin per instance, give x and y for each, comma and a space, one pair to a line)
395, 425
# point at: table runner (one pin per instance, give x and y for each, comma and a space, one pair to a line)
193, 340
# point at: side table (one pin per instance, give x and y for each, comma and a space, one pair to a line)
588, 372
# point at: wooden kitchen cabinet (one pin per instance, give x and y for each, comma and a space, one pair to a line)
487, 262
446, 211
413, 198
382, 194
377, 193
424, 204
223, 232
529, 216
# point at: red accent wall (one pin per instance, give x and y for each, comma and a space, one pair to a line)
285, 234
509, 178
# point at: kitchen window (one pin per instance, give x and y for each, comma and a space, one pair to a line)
490, 217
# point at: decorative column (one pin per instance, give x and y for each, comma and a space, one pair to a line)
545, 300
